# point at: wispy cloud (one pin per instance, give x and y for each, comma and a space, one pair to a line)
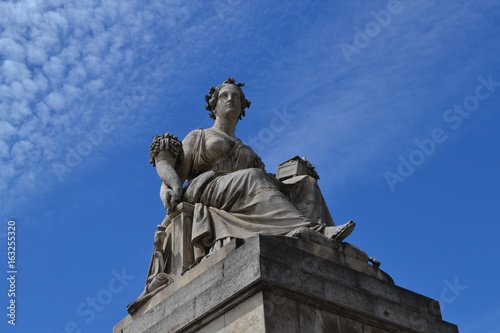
64, 67
489, 322
398, 87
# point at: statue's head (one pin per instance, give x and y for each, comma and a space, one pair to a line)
213, 96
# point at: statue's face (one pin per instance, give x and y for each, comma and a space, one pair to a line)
229, 102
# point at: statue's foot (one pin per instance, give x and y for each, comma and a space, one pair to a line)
339, 232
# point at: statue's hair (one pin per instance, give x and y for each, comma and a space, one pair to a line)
213, 96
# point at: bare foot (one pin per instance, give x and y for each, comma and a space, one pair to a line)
339, 232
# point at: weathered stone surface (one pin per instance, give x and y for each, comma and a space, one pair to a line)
272, 284
230, 195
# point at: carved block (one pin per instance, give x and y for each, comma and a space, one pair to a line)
296, 166
178, 240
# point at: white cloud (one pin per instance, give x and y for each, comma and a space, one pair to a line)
94, 85
54, 69
17, 90
4, 149
42, 112
19, 110
488, 322
59, 60
21, 151
36, 53
41, 81
76, 75
57, 22
7, 173
355, 115
14, 71
6, 130
69, 66
28, 128
55, 101
11, 50
66, 66
30, 88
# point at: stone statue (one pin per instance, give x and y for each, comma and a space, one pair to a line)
231, 193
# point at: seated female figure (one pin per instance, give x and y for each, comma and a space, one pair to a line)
232, 194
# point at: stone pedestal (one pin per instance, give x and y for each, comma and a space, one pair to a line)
282, 284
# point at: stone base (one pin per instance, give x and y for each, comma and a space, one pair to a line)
282, 284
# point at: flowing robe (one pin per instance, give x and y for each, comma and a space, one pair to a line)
233, 196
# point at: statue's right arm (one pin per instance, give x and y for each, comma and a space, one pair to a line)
174, 174
171, 188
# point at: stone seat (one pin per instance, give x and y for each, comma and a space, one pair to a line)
179, 253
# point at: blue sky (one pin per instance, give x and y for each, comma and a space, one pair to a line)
396, 103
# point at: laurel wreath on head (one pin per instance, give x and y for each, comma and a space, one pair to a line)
213, 95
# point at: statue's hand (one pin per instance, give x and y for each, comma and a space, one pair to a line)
170, 197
